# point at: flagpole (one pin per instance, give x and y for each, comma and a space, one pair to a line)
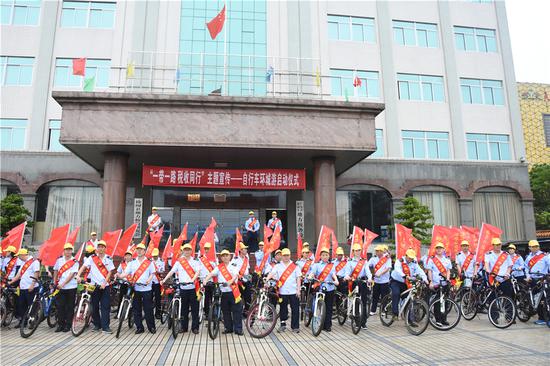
225, 49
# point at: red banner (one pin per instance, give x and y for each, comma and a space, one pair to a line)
369, 237
440, 234
486, 236
324, 241
277, 179
404, 240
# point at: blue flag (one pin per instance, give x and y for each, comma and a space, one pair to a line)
269, 74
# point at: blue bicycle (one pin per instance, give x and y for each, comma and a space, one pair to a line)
43, 307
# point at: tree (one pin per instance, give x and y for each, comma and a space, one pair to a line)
539, 177
417, 217
13, 213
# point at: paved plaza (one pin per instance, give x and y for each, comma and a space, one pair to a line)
471, 343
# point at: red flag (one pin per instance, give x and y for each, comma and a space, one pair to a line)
486, 235
124, 242
440, 234
334, 243
176, 247
275, 241
53, 247
299, 246
193, 244
369, 237
155, 241
208, 237
238, 239
79, 66
455, 239
73, 235
356, 238
78, 255
111, 239
324, 241
215, 26
356, 82
404, 240
168, 249
471, 234
14, 237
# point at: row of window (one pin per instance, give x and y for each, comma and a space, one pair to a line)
435, 145
407, 33
415, 87
13, 134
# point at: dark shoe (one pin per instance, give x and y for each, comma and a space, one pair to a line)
183, 331
328, 330
296, 330
152, 330
107, 331
157, 316
227, 331
239, 333
139, 331
96, 329
65, 330
58, 329
195, 331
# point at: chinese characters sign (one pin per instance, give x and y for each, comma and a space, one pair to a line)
300, 217
138, 213
276, 179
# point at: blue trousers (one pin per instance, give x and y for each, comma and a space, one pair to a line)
143, 303
232, 312
396, 289
24, 301
101, 307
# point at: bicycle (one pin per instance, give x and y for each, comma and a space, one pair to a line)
7, 305
166, 304
176, 316
42, 307
529, 298
441, 302
124, 312
83, 313
501, 309
262, 316
317, 308
412, 308
305, 289
354, 306
215, 312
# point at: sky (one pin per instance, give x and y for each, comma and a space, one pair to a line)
529, 24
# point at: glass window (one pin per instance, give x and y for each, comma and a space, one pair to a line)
475, 91
379, 144
20, 12
415, 34
342, 83
88, 14
488, 147
12, 134
346, 28
55, 132
420, 87
546, 125
100, 69
421, 144
16, 71
475, 39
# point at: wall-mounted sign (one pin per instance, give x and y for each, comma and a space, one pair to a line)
300, 217
193, 197
220, 197
138, 215
266, 179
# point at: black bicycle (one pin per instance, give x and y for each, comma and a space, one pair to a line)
8, 300
215, 312
42, 307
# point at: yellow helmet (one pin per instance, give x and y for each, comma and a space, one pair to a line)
90, 248
410, 253
379, 248
511, 246
187, 246
261, 243
439, 245
242, 246
140, 246
22, 251
207, 245
68, 246
93, 233
464, 243
533, 243
496, 241
10, 248
325, 250
305, 244
339, 251
102, 242
250, 213
356, 247
225, 252
278, 251
273, 213
285, 251
155, 252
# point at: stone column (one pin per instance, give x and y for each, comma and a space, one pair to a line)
114, 191
466, 208
29, 201
528, 219
324, 187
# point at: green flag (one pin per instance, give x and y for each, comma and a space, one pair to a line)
346, 94
89, 84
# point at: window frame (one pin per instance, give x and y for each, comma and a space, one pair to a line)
5, 65
423, 140
89, 10
416, 30
11, 128
81, 79
482, 85
332, 19
486, 140
366, 80
13, 4
475, 34
423, 80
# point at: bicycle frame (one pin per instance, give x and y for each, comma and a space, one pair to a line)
85, 296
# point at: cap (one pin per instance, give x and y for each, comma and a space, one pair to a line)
496, 241
140, 246
533, 243
90, 248
22, 251
93, 233
305, 250
186, 246
439, 245
356, 247
251, 212
324, 250
464, 243
386, 247
278, 251
10, 248
274, 212
339, 251
155, 252
208, 245
225, 252
261, 243
379, 248
242, 246
305, 244
128, 251
410, 253
285, 251
68, 246
511, 246
154, 209
102, 242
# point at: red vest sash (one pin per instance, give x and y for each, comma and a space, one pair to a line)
515, 258
467, 262
439, 266
154, 221
306, 267
407, 272
68, 264
10, 266
358, 268
535, 260
380, 263
243, 267
340, 265
274, 223
157, 274
25, 267
252, 223
227, 276
124, 265
100, 266
501, 258
191, 273
287, 272
142, 267
324, 274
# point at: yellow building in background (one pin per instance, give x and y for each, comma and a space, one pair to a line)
534, 102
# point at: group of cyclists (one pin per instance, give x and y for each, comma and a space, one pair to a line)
267, 288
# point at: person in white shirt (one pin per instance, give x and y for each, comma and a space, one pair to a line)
188, 271
100, 268
207, 266
140, 273
93, 240
64, 276
252, 227
242, 262
357, 269
288, 274
404, 270
439, 274
9, 262
159, 270
259, 254
118, 275
27, 275
465, 262
498, 266
380, 265
153, 221
274, 222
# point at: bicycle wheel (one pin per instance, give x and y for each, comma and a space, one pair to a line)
356, 315
416, 316
176, 323
121, 318
308, 311
468, 304
3, 313
201, 309
450, 314
214, 320
502, 312
31, 320
131, 318
81, 318
342, 311
164, 315
386, 314
369, 304
169, 316
261, 320
51, 319
523, 306
318, 318
336, 304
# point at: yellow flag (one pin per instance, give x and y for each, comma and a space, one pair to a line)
318, 78
130, 70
